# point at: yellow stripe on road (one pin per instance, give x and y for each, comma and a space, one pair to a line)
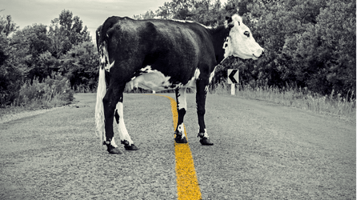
187, 184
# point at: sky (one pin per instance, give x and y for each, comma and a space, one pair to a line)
92, 12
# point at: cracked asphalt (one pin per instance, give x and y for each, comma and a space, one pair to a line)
262, 151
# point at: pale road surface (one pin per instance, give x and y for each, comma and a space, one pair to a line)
261, 151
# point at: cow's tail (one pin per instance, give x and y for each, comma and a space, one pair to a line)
99, 107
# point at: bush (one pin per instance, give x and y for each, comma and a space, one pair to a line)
49, 93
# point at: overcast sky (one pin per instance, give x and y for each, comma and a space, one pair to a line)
92, 12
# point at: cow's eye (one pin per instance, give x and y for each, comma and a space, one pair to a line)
247, 33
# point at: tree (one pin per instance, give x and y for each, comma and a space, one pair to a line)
10, 74
33, 46
7, 26
324, 54
148, 15
81, 65
37, 52
67, 31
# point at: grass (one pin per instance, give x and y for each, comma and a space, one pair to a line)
333, 104
40, 95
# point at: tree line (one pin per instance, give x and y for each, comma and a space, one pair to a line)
38, 52
309, 44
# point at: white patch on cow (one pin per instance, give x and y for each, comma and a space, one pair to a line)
113, 143
145, 69
189, 21
124, 135
181, 99
154, 80
192, 82
150, 80
108, 67
206, 88
212, 74
180, 129
205, 133
240, 42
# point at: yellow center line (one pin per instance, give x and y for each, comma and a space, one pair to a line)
187, 183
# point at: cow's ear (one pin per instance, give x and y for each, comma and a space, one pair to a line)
228, 22
237, 19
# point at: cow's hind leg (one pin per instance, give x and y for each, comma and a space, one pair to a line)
110, 100
181, 108
201, 91
124, 135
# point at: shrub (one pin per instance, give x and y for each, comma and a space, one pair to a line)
46, 94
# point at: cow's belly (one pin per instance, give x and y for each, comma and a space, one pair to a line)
157, 81
151, 81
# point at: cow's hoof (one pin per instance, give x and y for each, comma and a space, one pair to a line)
206, 141
127, 145
178, 139
111, 149
131, 147
114, 150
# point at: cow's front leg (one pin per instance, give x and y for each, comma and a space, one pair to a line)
181, 108
124, 135
201, 91
110, 100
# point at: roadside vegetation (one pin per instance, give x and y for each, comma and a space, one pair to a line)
51, 92
343, 107
309, 62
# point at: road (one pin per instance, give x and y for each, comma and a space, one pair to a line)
262, 151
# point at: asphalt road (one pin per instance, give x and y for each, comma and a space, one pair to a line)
261, 151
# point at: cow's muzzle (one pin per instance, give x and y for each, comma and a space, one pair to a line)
258, 53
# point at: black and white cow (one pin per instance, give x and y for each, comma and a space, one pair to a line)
159, 55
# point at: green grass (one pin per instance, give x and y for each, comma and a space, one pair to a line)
334, 104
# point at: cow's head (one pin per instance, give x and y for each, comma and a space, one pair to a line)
240, 42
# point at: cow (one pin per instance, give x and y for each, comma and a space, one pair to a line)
157, 54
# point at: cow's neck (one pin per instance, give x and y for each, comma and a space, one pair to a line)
219, 35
